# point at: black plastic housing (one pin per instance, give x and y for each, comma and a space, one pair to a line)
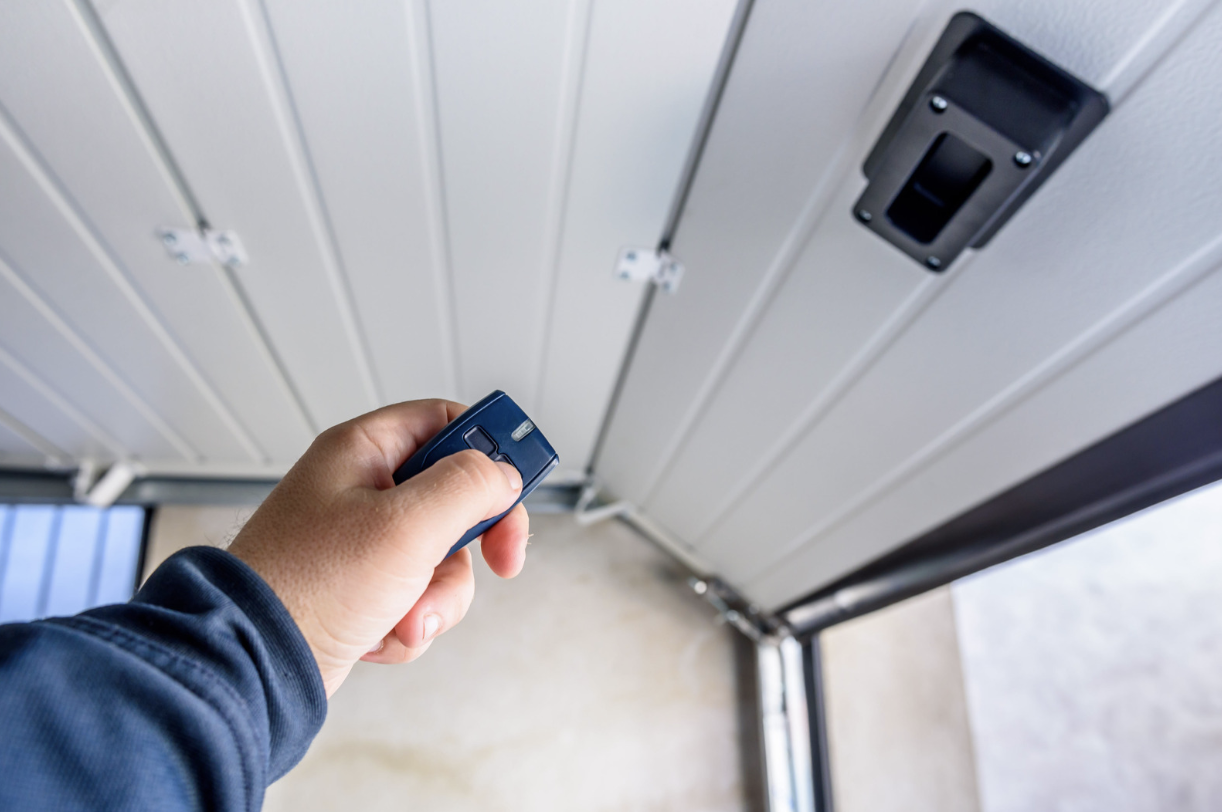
984, 123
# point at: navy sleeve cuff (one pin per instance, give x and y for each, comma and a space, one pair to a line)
207, 605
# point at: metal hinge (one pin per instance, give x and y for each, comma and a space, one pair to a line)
189, 246
647, 264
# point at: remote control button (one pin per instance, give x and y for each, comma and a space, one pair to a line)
478, 439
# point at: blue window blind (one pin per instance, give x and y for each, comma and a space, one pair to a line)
63, 559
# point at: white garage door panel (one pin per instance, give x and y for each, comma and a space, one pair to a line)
833, 315
71, 110
762, 437
28, 400
765, 159
15, 449
1091, 39
55, 354
499, 96
212, 83
359, 75
1090, 242
845, 288
1170, 353
52, 258
638, 112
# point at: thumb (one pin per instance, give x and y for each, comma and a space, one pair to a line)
442, 502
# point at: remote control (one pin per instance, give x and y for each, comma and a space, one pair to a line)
499, 428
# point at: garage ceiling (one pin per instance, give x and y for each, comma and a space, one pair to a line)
432, 196
812, 398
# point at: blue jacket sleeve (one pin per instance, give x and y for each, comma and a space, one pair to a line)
195, 695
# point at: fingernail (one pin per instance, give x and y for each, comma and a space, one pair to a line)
431, 624
378, 647
511, 473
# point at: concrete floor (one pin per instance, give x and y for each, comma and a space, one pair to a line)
593, 681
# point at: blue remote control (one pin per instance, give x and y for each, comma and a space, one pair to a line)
499, 428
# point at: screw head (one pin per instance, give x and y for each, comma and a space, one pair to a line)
183, 259
864, 216
630, 256
1023, 159
938, 104
169, 238
933, 262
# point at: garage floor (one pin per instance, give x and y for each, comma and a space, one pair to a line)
593, 681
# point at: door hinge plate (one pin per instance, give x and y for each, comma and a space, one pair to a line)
648, 264
189, 246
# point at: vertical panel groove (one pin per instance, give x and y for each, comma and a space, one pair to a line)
117, 276
266, 346
71, 412
175, 182
99, 43
42, 444
275, 80
1149, 51
1157, 294
428, 120
704, 124
838, 172
10, 275
577, 40
917, 302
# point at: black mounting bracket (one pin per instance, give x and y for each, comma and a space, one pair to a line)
985, 122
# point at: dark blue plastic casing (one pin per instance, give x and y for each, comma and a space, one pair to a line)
498, 427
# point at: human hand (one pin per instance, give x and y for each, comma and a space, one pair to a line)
360, 562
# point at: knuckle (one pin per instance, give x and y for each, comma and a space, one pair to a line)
342, 435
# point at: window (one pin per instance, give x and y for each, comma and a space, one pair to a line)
63, 559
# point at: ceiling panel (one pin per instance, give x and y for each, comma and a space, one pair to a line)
43, 344
66, 432
642, 92
1160, 356
361, 79
76, 125
20, 446
432, 196
760, 187
58, 260
503, 102
851, 370
212, 82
